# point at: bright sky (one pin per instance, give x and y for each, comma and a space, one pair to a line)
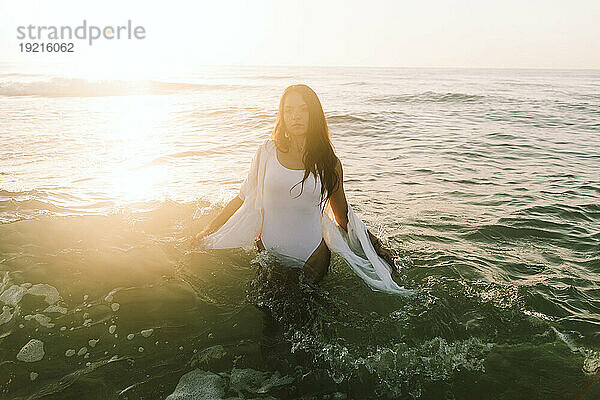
440, 33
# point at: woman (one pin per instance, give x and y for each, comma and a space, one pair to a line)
293, 176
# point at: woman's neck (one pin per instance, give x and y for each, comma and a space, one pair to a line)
297, 144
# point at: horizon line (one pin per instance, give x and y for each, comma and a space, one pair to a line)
357, 66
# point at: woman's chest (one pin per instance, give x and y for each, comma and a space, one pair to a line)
283, 184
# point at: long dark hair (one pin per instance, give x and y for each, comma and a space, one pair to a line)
319, 157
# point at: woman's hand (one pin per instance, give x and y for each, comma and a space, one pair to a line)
198, 238
218, 221
388, 255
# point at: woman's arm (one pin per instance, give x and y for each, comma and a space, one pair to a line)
339, 206
338, 203
220, 219
235, 203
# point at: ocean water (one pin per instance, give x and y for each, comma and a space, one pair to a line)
486, 181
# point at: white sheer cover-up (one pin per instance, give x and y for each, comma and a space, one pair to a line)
244, 226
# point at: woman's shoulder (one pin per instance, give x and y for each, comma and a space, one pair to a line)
265, 147
267, 144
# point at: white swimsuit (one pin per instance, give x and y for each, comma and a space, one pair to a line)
291, 224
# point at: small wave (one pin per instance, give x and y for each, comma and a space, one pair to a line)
563, 212
30, 207
183, 154
433, 97
29, 204
359, 83
76, 87
503, 136
341, 118
506, 232
8, 193
577, 106
590, 187
228, 115
424, 170
274, 77
18, 75
534, 222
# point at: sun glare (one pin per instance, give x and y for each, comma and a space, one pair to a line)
134, 139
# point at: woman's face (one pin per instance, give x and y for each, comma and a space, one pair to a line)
295, 114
